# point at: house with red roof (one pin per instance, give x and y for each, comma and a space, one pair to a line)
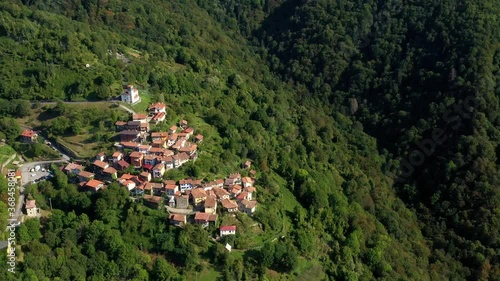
73, 168
177, 219
152, 201
141, 117
100, 165
136, 159
227, 230
247, 206
158, 170
198, 196
122, 165
84, 176
229, 205
159, 117
94, 185
29, 136
117, 156
198, 138
156, 108
31, 209
205, 219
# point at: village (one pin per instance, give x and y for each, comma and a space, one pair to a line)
139, 164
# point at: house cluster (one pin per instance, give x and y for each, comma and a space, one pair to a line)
233, 194
156, 152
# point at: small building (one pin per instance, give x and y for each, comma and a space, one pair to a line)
172, 130
120, 125
247, 181
130, 144
154, 202
247, 165
229, 205
221, 193
100, 165
247, 206
29, 136
177, 219
158, 170
101, 156
31, 209
94, 185
210, 204
183, 124
122, 165
198, 138
111, 173
205, 219
131, 95
159, 136
171, 201
171, 189
227, 230
156, 108
182, 201
130, 136
145, 176
85, 176
117, 156
136, 159
141, 117
198, 196
73, 168
160, 117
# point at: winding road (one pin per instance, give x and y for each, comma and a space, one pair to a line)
90, 102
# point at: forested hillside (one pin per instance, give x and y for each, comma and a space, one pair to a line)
293, 86
423, 78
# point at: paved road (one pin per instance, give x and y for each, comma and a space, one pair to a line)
26, 178
87, 102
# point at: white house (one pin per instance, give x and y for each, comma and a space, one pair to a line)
227, 230
131, 95
31, 209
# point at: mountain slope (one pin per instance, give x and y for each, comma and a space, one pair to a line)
348, 219
422, 77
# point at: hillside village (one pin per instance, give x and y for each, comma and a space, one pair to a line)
139, 164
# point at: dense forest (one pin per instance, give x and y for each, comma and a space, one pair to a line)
381, 117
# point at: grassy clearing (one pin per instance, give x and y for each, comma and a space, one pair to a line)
145, 102
5, 152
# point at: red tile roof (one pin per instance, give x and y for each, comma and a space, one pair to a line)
139, 116
158, 106
100, 164
122, 163
85, 174
110, 170
228, 204
198, 193
200, 216
228, 228
94, 184
30, 204
136, 154
28, 133
177, 217
73, 166
117, 154
159, 116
